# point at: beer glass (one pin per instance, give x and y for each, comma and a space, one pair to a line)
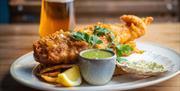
56, 15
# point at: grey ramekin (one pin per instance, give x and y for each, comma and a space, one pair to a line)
97, 71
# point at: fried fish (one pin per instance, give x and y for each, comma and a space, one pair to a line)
63, 47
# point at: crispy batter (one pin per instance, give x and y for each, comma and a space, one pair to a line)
57, 48
60, 48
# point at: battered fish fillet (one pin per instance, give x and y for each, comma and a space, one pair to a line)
61, 48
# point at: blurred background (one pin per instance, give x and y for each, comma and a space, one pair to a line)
89, 11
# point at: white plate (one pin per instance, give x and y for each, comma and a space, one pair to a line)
21, 70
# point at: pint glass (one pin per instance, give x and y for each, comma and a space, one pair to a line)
56, 15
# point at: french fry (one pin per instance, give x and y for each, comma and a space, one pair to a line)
55, 68
49, 74
49, 79
52, 74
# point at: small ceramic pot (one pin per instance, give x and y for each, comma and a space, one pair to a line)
97, 71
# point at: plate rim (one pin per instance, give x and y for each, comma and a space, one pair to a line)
115, 87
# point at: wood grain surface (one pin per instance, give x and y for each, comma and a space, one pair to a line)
16, 40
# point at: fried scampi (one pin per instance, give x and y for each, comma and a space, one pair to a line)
63, 47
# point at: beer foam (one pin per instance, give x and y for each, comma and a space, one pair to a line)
60, 1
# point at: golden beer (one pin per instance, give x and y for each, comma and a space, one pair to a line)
56, 15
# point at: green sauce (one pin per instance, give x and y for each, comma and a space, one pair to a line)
95, 54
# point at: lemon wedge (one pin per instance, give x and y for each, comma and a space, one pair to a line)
70, 77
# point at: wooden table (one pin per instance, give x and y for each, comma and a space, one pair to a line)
16, 40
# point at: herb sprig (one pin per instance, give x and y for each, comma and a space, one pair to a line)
121, 60
99, 31
92, 40
121, 49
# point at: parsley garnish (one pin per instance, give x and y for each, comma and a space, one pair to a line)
80, 36
93, 40
121, 60
120, 49
99, 31
123, 49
